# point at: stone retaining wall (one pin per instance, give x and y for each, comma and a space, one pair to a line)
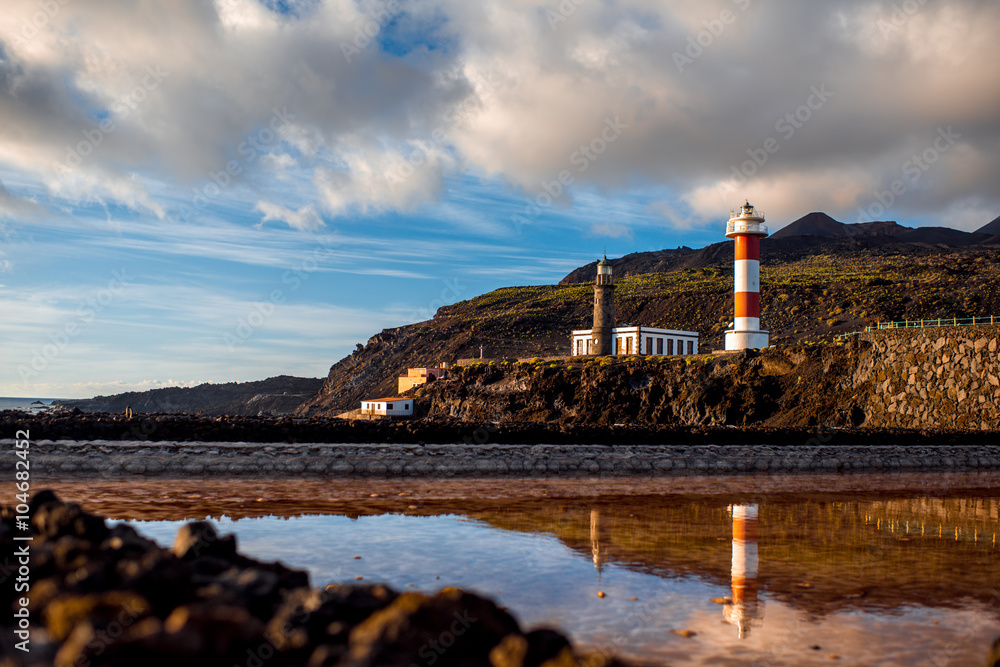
100, 459
943, 377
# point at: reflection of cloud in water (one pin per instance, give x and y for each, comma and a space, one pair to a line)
859, 574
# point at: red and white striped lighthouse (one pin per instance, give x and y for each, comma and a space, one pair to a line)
746, 226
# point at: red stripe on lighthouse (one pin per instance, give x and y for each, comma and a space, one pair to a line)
747, 304
748, 247
745, 528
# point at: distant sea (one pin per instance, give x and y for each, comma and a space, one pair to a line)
25, 403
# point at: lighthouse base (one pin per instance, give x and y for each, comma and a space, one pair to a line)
746, 340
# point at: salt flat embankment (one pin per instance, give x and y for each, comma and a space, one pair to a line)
104, 459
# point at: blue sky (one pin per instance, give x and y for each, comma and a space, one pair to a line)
198, 191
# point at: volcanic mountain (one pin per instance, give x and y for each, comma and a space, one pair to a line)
991, 228
812, 234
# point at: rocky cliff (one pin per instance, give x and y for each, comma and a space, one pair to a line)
793, 386
944, 378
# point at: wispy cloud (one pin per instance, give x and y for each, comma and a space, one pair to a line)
304, 219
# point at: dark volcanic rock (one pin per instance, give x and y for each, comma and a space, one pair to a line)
112, 598
199, 538
450, 628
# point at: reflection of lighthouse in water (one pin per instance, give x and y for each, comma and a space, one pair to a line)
745, 609
600, 557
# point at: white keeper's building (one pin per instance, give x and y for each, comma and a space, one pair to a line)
393, 406
640, 341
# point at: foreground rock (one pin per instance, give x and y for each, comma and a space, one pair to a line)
107, 596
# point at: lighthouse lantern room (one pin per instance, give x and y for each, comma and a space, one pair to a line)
746, 226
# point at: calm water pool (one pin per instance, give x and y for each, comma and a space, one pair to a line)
768, 571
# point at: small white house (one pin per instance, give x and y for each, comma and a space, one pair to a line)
388, 407
639, 341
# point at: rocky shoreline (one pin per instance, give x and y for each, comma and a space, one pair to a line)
189, 428
87, 446
108, 596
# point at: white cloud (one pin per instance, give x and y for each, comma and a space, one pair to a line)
374, 179
304, 219
11, 205
509, 97
610, 230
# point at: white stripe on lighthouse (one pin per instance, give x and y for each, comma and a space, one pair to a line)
747, 274
746, 324
745, 562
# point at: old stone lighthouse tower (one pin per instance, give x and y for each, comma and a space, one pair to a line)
604, 309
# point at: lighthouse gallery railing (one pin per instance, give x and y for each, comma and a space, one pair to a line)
736, 227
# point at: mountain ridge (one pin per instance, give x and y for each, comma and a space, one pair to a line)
813, 233
992, 228
278, 395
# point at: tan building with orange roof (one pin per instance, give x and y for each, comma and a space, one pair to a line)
417, 376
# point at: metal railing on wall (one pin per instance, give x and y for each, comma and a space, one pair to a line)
924, 324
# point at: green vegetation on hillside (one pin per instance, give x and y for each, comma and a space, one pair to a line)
809, 299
